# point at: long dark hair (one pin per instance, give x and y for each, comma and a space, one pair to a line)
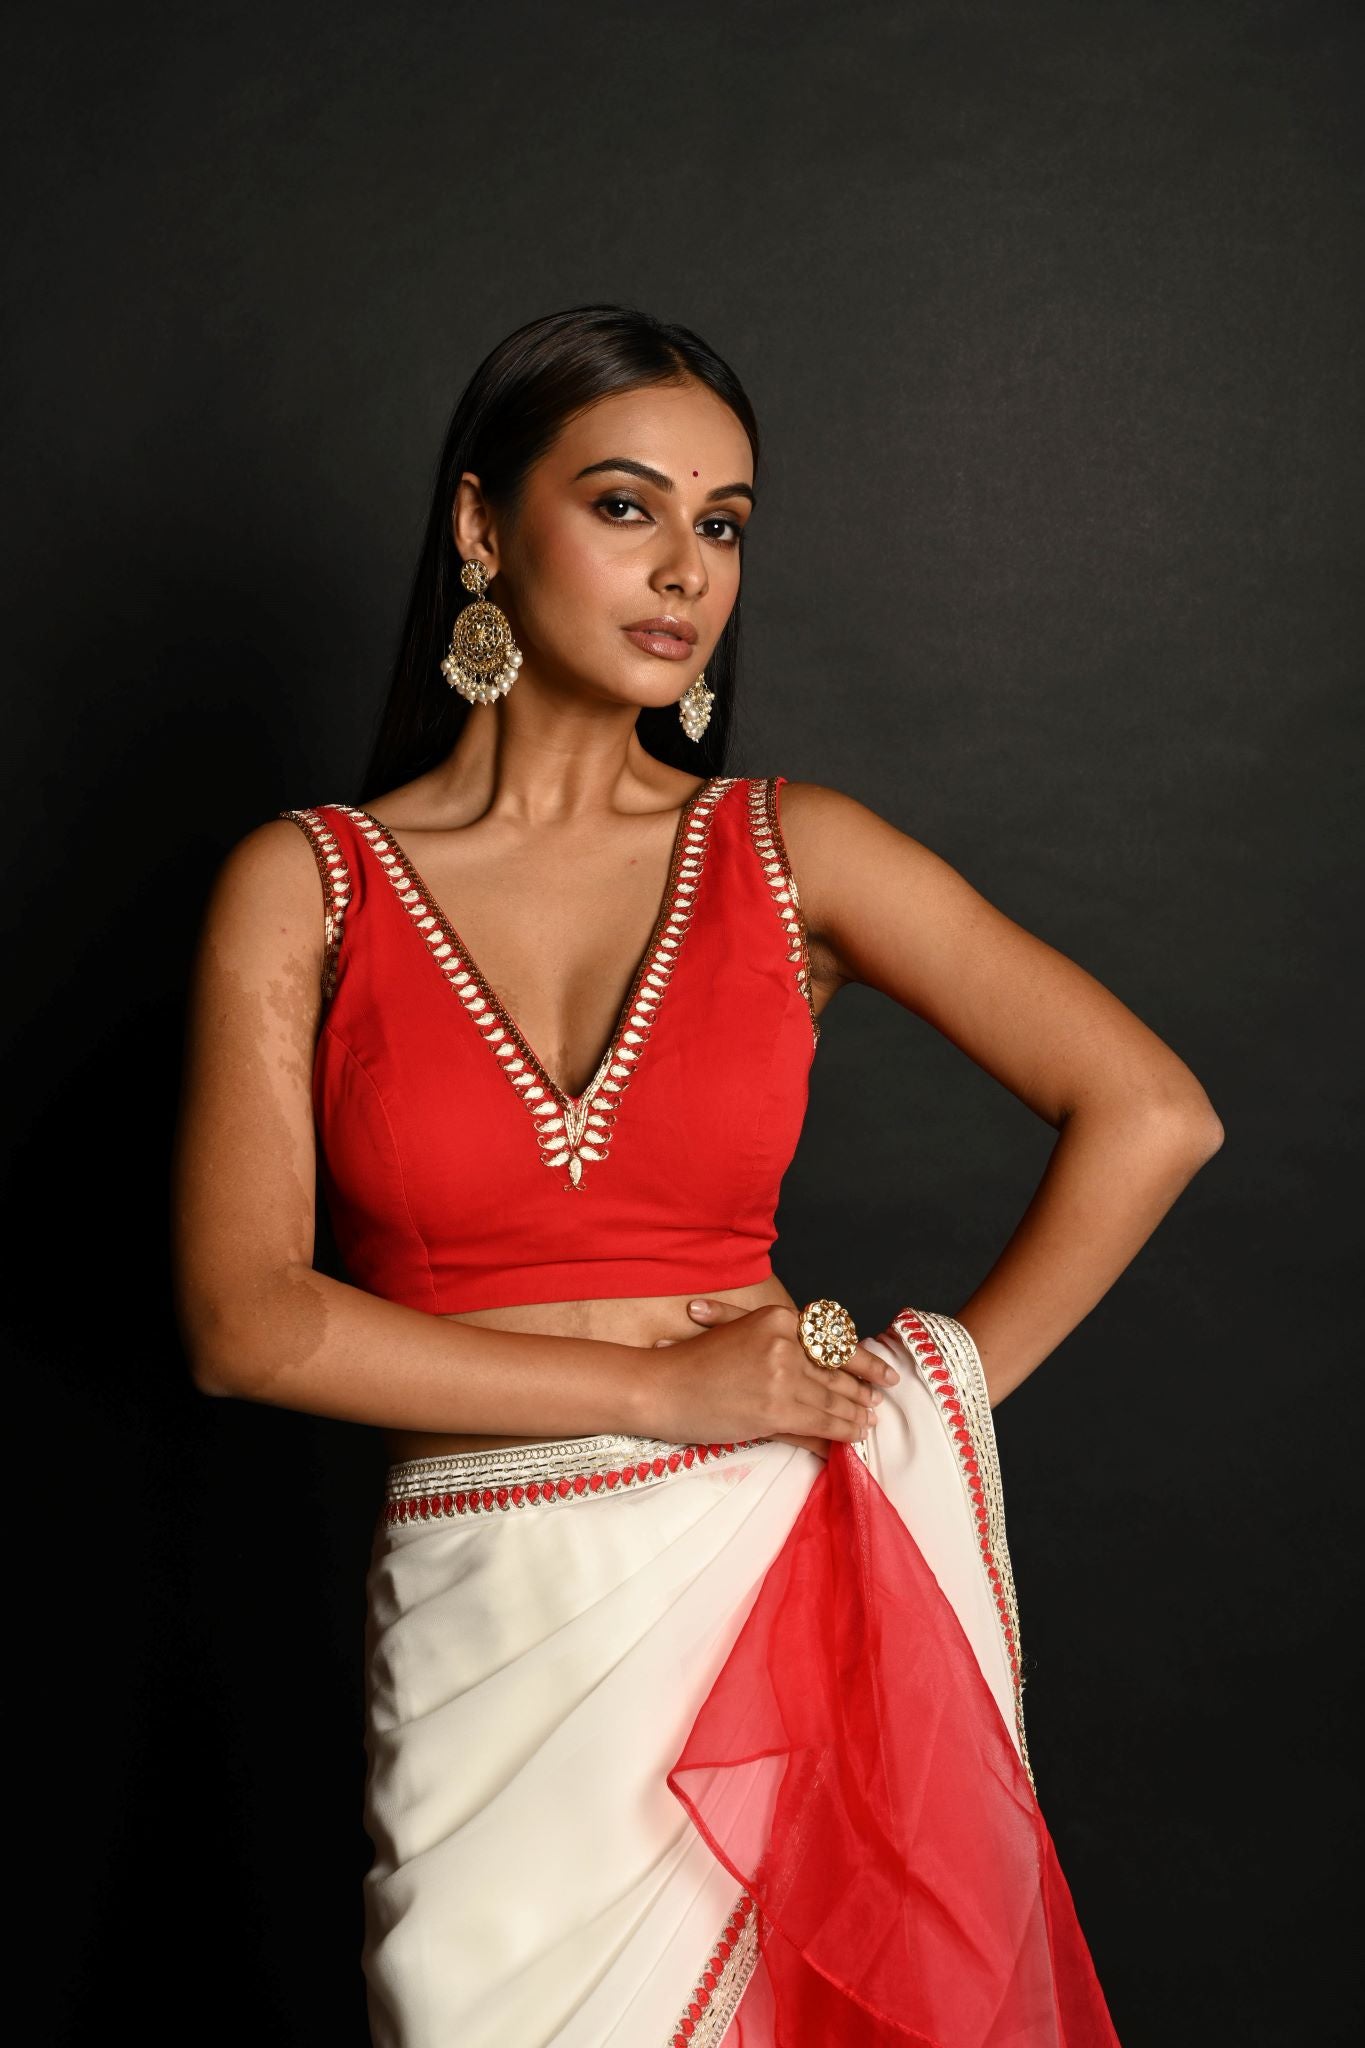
507, 416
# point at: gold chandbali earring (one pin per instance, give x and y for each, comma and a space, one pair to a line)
694, 707
484, 658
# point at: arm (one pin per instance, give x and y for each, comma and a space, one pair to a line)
256, 1319
1135, 1125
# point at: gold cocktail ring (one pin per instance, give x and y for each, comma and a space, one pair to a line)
827, 1332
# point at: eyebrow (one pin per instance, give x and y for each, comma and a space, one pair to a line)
657, 477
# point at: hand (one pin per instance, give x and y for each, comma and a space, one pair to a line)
754, 1375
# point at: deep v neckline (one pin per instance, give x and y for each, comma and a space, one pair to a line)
572, 1128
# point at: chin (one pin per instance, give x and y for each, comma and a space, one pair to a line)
632, 687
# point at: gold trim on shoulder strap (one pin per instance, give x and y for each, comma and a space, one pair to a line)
765, 829
336, 889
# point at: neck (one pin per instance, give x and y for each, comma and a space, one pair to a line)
548, 765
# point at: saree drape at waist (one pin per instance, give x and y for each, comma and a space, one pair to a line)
690, 1743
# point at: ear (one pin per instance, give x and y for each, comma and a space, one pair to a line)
472, 525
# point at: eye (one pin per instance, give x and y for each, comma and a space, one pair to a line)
616, 498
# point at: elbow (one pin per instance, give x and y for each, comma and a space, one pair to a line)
1200, 1128
1211, 1133
1176, 1128
210, 1372
212, 1348
1184, 1126
241, 1334
207, 1379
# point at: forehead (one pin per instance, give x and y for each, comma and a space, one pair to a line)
676, 428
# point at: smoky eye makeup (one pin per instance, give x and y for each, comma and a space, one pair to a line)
611, 499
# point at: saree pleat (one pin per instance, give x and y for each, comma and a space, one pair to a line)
575, 1650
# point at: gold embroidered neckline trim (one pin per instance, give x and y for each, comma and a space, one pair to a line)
571, 1129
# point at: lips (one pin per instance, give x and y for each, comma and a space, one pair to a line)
678, 629
672, 638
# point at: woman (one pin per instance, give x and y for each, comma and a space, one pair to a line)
693, 1660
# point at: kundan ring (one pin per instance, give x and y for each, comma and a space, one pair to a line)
827, 1332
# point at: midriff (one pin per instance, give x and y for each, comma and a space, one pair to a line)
635, 1320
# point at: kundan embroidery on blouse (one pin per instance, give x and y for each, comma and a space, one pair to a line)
572, 1131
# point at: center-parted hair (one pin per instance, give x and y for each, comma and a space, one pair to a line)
508, 415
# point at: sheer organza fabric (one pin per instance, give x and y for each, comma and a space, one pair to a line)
906, 1887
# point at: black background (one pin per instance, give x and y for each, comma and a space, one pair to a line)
1051, 315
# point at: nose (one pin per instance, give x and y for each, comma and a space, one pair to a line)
682, 567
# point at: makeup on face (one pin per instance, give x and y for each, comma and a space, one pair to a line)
665, 634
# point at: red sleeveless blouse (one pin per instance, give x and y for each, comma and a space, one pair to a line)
458, 1176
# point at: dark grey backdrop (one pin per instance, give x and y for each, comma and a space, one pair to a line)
1051, 315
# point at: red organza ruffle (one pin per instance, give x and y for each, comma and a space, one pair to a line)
850, 1767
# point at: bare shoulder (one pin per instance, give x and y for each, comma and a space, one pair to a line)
815, 807
266, 902
836, 845
819, 812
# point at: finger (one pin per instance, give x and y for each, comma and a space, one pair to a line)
704, 1310
843, 1420
844, 1386
858, 1412
869, 1365
865, 1370
659, 1342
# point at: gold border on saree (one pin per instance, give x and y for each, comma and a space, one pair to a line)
537, 1474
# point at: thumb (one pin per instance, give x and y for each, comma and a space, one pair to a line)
704, 1310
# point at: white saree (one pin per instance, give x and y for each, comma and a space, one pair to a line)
545, 1623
